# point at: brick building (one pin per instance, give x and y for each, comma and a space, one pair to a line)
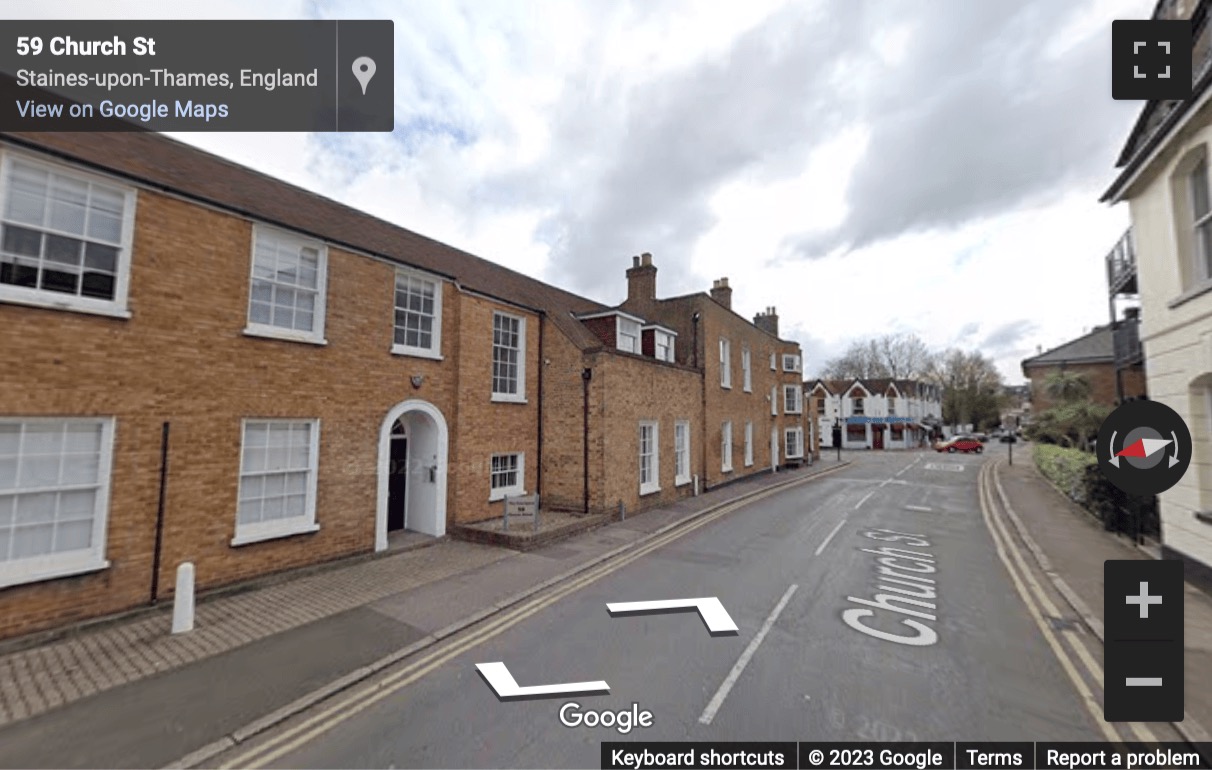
1093, 356
206, 364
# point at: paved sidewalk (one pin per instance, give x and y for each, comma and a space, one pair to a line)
130, 694
1077, 545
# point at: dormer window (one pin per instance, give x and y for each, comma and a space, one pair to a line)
627, 335
662, 345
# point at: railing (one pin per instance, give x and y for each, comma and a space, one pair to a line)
1121, 266
1126, 339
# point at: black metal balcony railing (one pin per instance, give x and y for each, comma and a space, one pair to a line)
1126, 337
1121, 266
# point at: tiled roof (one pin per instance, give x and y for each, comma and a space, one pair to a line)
1093, 347
160, 162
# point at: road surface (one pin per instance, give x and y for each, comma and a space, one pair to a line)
818, 655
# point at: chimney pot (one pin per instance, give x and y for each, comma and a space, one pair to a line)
635, 261
646, 258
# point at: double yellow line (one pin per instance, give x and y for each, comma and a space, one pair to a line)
1039, 604
350, 704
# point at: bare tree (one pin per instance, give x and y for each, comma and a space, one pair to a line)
898, 356
972, 388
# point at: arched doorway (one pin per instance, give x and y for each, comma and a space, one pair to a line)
413, 442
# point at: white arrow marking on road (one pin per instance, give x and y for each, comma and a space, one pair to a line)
714, 615
503, 684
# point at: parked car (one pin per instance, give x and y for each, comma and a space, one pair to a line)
981, 437
1009, 438
960, 444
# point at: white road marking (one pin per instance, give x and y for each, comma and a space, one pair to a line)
717, 700
917, 508
503, 684
860, 502
710, 609
829, 537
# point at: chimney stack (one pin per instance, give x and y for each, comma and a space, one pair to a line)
641, 279
721, 293
768, 321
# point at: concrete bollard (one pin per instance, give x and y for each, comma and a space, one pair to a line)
183, 600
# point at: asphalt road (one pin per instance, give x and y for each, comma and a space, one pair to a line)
987, 675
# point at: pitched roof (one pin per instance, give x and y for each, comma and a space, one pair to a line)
1093, 347
166, 164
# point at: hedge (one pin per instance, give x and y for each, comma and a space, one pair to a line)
1066, 468
1077, 475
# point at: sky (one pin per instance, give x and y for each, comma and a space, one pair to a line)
865, 166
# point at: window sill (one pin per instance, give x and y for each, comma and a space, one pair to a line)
725, 387
726, 470
401, 350
498, 398
497, 495
681, 482
749, 464
645, 491
273, 534
272, 333
43, 573
1199, 289
67, 305
748, 390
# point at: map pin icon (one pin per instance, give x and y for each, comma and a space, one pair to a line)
364, 70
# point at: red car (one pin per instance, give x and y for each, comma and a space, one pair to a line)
960, 444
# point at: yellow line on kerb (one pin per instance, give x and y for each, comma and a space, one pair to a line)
1067, 664
353, 703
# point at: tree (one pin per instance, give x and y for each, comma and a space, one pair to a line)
895, 356
972, 388
1074, 419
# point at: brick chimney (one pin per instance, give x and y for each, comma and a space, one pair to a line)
768, 321
722, 293
641, 279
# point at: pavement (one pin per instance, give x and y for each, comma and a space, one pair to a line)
1075, 545
131, 694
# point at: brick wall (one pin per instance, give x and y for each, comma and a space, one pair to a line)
1102, 383
563, 422
183, 358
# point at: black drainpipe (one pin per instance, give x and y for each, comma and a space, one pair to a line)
155, 577
586, 374
538, 479
694, 319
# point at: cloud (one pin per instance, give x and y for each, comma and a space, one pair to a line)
1007, 337
983, 116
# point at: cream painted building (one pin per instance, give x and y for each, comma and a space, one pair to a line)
1164, 178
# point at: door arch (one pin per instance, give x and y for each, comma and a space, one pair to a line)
428, 440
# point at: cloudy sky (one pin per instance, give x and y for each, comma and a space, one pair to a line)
866, 166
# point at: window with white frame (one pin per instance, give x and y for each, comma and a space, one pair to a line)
663, 345
627, 333
794, 442
791, 363
891, 404
856, 405
726, 447
822, 403
54, 497
1201, 219
725, 363
773, 367
748, 443
65, 237
286, 298
507, 477
508, 357
650, 458
278, 465
774, 400
681, 452
793, 399
746, 370
418, 315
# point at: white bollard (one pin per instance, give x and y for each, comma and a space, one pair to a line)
183, 600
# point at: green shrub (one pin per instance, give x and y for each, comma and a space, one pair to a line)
1066, 468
